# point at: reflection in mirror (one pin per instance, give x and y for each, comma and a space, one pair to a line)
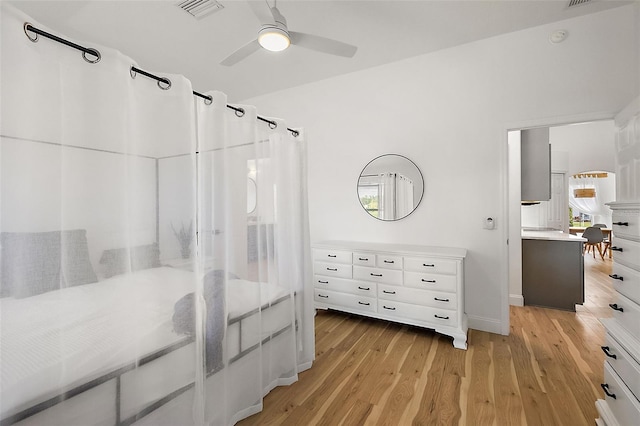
252, 195
390, 187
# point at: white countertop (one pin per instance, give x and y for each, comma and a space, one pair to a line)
550, 235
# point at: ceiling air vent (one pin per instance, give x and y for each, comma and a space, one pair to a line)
573, 3
200, 8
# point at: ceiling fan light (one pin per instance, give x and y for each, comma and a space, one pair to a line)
274, 39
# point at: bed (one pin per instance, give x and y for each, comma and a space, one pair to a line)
108, 352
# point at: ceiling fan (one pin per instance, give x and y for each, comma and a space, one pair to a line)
275, 36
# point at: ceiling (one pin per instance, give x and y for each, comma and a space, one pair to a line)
161, 37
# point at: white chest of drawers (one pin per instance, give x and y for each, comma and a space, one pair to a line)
417, 285
621, 405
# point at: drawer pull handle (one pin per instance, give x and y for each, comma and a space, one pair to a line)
614, 248
364, 288
364, 303
366, 259
605, 388
439, 317
427, 281
322, 295
332, 255
605, 349
440, 300
621, 223
391, 309
375, 275
388, 292
389, 261
428, 265
332, 269
617, 277
615, 307
323, 282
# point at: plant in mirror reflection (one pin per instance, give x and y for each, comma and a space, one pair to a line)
185, 237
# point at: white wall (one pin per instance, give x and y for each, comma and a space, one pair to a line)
448, 112
589, 145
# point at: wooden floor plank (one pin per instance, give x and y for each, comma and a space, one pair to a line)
547, 371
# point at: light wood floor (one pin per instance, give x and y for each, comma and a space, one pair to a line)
369, 372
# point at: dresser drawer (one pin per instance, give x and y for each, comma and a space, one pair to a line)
627, 313
626, 223
430, 265
389, 261
333, 256
624, 407
378, 275
626, 281
364, 259
626, 251
623, 363
332, 269
418, 313
430, 281
418, 297
344, 285
345, 300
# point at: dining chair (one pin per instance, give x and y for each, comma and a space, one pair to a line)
594, 238
606, 240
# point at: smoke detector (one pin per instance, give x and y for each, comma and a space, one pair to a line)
558, 36
200, 8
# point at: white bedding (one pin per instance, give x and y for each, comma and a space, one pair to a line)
64, 338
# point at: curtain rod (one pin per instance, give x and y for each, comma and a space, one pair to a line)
163, 82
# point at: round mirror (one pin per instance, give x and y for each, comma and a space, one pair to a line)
390, 187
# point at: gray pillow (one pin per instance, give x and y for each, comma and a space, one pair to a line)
38, 262
76, 264
121, 260
30, 263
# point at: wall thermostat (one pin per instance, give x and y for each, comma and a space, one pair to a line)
489, 223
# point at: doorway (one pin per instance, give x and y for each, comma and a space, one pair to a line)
577, 145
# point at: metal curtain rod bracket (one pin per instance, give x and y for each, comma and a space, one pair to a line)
28, 27
163, 82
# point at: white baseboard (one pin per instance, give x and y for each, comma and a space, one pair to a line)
516, 300
489, 325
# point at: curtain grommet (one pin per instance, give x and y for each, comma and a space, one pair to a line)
93, 52
208, 100
273, 125
240, 112
164, 81
132, 72
26, 28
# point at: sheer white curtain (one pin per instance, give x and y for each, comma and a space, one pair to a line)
387, 194
605, 192
269, 247
404, 196
134, 288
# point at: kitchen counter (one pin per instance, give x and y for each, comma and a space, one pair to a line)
552, 269
550, 236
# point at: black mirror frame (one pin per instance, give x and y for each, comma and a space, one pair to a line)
415, 205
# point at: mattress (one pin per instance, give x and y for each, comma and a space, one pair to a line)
60, 339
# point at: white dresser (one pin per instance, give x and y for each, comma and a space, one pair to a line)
621, 404
410, 284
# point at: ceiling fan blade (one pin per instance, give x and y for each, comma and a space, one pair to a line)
262, 11
241, 53
322, 44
